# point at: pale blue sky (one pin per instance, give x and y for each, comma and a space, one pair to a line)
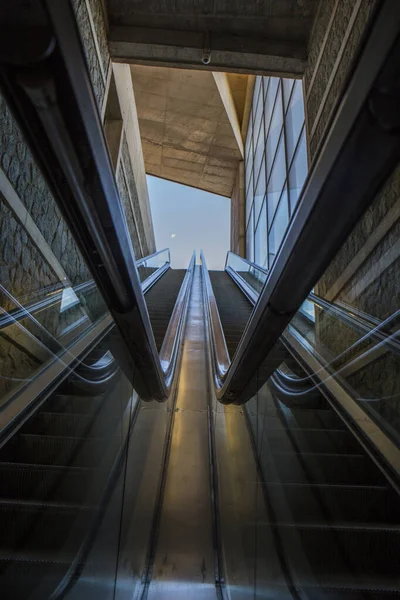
198, 219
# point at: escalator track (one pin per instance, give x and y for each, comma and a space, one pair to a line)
334, 505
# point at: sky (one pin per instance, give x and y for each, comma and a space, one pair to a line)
186, 219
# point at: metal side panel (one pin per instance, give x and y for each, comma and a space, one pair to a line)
184, 561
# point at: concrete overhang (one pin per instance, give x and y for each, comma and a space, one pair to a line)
190, 125
247, 36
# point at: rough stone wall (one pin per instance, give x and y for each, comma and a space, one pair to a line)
126, 203
135, 200
373, 269
18, 164
92, 58
324, 80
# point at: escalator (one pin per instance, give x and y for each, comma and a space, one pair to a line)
186, 434
332, 501
61, 454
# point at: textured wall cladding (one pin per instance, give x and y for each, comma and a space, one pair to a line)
322, 19
134, 197
343, 71
22, 268
89, 47
101, 33
25, 177
332, 48
124, 195
386, 198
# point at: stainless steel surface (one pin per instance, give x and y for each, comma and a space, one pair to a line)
184, 561
251, 563
218, 347
173, 336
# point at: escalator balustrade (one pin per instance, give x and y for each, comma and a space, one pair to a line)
57, 461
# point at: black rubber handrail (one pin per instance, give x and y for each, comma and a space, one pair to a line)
45, 80
366, 135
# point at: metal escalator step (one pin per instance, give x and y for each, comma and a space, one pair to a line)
64, 403
289, 467
326, 593
21, 577
69, 424
312, 440
343, 557
31, 529
20, 481
52, 450
311, 419
361, 505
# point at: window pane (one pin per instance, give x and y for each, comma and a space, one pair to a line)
287, 85
249, 142
260, 239
258, 155
275, 131
276, 180
266, 82
258, 117
247, 173
269, 102
250, 238
298, 172
294, 119
249, 197
278, 228
260, 190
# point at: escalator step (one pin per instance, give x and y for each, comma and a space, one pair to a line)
344, 557
60, 484
20, 578
325, 593
59, 424
35, 530
311, 419
329, 503
52, 450
312, 440
288, 467
64, 403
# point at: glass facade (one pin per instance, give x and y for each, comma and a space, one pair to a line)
276, 164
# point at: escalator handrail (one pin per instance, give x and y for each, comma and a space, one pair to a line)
219, 348
55, 295
170, 346
49, 91
50, 300
246, 260
146, 258
367, 325
360, 136
376, 331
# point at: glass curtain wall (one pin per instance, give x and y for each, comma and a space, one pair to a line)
276, 164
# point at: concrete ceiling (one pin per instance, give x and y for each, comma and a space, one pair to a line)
186, 134
264, 36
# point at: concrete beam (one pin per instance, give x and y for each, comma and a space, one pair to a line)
222, 83
230, 53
